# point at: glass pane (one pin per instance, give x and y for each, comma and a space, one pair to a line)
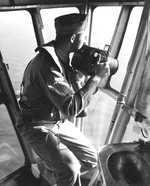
104, 22
127, 47
17, 46
101, 109
98, 118
17, 42
11, 156
48, 16
133, 131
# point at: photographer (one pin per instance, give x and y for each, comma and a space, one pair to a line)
51, 95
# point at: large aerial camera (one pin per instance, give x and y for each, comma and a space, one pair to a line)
87, 57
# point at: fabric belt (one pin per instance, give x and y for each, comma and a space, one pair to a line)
34, 115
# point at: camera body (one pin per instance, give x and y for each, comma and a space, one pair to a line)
85, 58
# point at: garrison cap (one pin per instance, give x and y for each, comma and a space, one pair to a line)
70, 24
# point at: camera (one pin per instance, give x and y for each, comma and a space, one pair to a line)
85, 58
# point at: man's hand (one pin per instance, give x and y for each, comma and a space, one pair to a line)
101, 70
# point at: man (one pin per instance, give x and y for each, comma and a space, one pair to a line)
51, 95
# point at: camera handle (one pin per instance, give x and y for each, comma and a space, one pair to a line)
107, 49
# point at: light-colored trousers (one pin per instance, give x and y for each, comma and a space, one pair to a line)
62, 146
